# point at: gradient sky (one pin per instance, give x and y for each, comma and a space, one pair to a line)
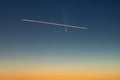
46, 49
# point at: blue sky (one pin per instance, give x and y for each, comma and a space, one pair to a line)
100, 40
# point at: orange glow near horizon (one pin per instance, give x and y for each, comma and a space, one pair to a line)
60, 75
59, 69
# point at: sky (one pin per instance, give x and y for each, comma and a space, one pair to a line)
34, 51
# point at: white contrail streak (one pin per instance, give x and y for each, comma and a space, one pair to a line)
57, 24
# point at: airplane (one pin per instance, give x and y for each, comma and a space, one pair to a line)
57, 24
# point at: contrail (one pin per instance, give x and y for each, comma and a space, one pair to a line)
57, 24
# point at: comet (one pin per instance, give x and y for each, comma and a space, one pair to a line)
56, 24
